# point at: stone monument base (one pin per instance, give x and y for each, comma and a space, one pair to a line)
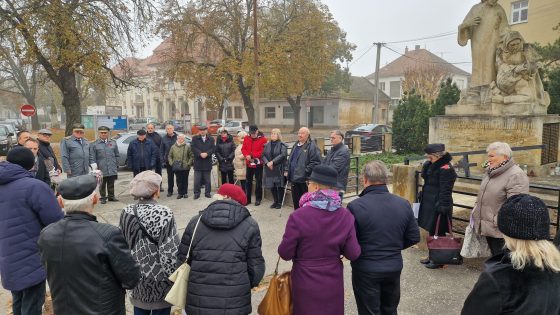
462, 133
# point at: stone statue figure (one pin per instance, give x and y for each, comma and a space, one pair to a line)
483, 25
518, 81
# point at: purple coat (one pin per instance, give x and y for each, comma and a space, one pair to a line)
314, 239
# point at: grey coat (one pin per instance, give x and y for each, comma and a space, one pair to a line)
305, 162
106, 155
339, 158
75, 156
275, 177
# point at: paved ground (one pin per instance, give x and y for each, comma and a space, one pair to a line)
423, 291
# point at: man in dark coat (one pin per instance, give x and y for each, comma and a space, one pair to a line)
202, 147
436, 197
385, 225
304, 157
46, 151
252, 149
89, 264
226, 258
167, 142
104, 155
339, 158
39, 170
156, 140
22, 137
225, 153
28, 205
141, 154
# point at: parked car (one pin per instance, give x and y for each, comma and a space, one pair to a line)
18, 123
5, 140
140, 123
371, 136
11, 129
235, 126
178, 124
212, 128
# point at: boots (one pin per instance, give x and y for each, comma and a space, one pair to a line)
280, 195
274, 193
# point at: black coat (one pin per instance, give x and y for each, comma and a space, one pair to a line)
385, 225
198, 146
436, 196
42, 172
46, 151
225, 153
156, 139
339, 158
89, 266
166, 143
275, 177
503, 290
226, 260
300, 168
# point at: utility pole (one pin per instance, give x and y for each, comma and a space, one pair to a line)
376, 117
256, 44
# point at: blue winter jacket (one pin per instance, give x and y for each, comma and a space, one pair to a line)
134, 154
27, 205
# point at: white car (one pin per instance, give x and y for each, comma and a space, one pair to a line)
235, 126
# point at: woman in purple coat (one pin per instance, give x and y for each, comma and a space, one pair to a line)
316, 236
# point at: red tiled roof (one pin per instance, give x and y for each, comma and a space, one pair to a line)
413, 59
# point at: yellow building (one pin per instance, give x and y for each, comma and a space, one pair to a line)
534, 19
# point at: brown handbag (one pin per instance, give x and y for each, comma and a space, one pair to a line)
278, 297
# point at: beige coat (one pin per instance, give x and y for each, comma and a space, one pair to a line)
507, 181
239, 164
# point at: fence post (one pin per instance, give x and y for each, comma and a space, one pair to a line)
356, 144
321, 145
388, 142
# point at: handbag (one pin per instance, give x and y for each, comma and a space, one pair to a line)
474, 245
177, 295
444, 250
177, 166
278, 297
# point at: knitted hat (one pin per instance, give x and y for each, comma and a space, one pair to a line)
234, 192
253, 128
21, 156
434, 147
145, 184
524, 217
324, 175
141, 132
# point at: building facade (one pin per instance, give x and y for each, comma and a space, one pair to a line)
534, 19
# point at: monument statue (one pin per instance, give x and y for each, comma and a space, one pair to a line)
518, 83
483, 25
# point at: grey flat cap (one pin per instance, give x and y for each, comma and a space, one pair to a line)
45, 131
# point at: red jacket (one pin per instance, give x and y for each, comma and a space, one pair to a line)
254, 148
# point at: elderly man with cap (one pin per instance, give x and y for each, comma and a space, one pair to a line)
46, 151
141, 154
436, 198
252, 149
104, 155
385, 225
203, 147
27, 206
74, 151
89, 264
525, 279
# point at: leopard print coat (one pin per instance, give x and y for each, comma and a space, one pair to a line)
156, 253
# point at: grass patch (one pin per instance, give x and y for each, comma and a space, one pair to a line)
388, 158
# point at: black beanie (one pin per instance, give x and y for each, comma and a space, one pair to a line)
21, 156
324, 175
524, 217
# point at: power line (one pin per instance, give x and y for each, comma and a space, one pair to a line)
426, 37
362, 55
426, 61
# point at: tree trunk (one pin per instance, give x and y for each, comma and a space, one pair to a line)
245, 93
70, 99
54, 117
296, 106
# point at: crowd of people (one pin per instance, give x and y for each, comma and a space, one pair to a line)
55, 238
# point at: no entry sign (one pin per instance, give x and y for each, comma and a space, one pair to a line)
27, 110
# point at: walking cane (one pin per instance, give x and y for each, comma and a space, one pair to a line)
283, 198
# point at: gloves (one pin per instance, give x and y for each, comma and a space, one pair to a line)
93, 166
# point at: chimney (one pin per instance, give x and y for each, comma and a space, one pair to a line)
406, 50
417, 47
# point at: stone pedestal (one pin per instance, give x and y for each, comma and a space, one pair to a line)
474, 132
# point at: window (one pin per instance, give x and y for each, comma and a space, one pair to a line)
382, 86
237, 112
269, 112
318, 114
229, 112
519, 11
395, 89
287, 112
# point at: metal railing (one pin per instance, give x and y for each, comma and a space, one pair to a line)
555, 189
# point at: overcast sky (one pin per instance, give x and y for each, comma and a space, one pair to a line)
370, 21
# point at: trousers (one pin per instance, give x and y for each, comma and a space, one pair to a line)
29, 301
257, 174
298, 189
107, 188
202, 178
376, 293
170, 180
182, 178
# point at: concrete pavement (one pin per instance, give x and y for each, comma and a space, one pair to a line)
423, 291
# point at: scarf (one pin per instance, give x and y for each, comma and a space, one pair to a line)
325, 199
490, 170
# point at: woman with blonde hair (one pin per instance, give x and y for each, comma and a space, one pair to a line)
525, 279
240, 168
275, 159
